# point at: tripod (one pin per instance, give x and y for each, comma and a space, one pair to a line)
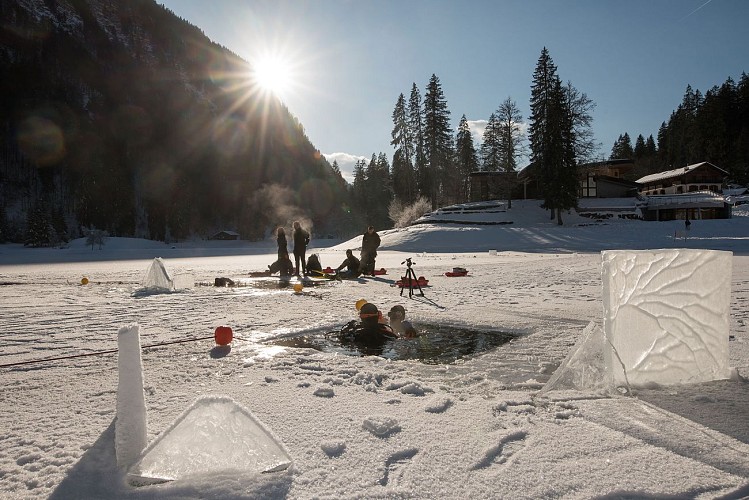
411, 279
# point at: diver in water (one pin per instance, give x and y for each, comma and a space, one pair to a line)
369, 332
403, 328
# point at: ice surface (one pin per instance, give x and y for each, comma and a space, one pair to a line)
666, 315
131, 430
157, 276
214, 434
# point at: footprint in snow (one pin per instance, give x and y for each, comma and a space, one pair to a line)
324, 392
393, 463
506, 447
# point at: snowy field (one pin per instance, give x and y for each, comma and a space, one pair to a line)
366, 427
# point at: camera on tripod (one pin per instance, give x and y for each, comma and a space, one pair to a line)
410, 280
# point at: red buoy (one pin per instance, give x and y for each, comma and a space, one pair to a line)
223, 335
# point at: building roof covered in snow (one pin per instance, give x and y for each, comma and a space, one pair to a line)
677, 172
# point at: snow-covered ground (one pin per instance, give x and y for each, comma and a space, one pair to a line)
366, 427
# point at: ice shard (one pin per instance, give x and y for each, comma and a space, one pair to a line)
214, 434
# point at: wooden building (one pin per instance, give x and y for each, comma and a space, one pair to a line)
692, 178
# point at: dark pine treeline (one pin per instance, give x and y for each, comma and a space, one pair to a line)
432, 163
713, 127
120, 115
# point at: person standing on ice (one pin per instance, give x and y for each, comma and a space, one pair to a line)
283, 264
283, 250
370, 242
301, 240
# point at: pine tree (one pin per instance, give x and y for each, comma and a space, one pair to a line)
466, 158
359, 188
650, 149
552, 138
4, 226
60, 226
622, 149
404, 181
639, 150
401, 134
490, 146
416, 126
438, 148
39, 231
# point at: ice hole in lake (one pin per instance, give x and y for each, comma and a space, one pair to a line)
437, 344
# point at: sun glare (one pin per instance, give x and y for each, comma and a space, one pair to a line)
273, 74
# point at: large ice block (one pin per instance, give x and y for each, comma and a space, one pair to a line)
666, 315
214, 434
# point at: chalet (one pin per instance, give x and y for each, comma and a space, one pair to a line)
225, 235
698, 177
691, 192
601, 179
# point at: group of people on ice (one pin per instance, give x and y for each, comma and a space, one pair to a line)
283, 264
351, 267
372, 330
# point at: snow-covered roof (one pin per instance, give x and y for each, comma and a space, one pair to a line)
669, 174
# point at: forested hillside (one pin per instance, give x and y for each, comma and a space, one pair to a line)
121, 116
713, 127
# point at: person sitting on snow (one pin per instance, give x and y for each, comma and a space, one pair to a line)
398, 323
313, 264
282, 265
352, 265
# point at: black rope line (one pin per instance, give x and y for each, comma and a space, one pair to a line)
98, 353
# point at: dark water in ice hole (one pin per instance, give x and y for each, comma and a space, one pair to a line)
438, 344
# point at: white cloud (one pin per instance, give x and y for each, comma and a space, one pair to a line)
346, 163
477, 130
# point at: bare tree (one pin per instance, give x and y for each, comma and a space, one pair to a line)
580, 108
512, 144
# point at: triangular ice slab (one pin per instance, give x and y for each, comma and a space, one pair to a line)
214, 434
157, 276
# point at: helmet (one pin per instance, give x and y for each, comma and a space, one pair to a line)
369, 313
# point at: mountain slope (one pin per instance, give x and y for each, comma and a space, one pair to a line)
123, 116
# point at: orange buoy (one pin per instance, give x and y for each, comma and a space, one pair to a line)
223, 335
298, 287
84, 281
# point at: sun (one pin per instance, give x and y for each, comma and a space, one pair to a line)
273, 74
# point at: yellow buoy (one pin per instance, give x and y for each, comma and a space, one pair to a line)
84, 281
360, 303
298, 287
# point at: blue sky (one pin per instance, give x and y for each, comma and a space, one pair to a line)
351, 59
